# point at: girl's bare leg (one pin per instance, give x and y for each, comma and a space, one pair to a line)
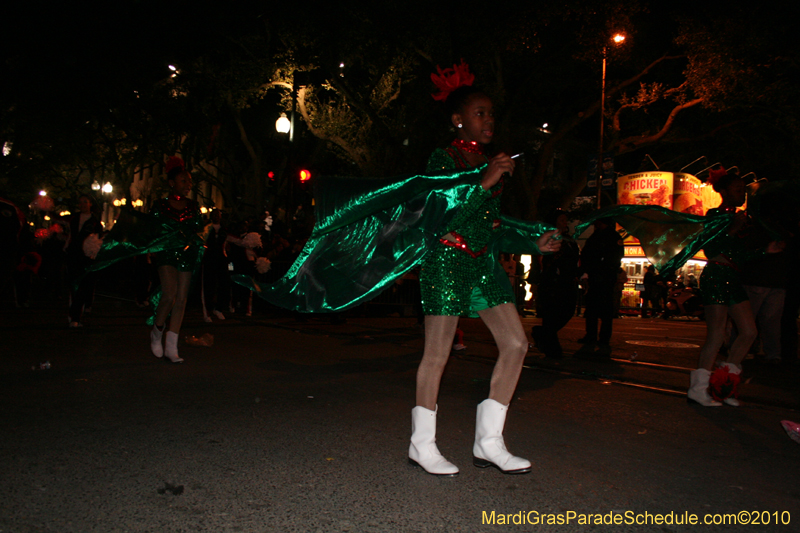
716, 318
506, 328
169, 289
439, 332
742, 315
178, 308
489, 448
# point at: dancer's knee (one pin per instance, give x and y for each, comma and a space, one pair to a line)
518, 345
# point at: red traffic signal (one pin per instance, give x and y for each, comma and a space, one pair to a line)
305, 175
271, 175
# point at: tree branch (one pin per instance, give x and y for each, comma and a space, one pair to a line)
366, 109
632, 143
356, 154
548, 148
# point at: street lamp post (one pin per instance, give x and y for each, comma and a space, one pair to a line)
287, 125
618, 38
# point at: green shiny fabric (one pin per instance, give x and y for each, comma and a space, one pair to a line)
136, 233
369, 232
668, 238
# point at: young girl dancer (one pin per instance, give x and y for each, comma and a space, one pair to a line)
455, 281
175, 265
723, 296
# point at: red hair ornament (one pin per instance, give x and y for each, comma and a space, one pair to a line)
450, 79
174, 162
715, 175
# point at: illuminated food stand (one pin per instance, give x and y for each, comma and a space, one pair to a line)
673, 190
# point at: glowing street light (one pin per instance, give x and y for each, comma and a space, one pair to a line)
107, 188
617, 39
95, 186
283, 124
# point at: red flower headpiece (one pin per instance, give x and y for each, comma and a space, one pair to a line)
715, 175
451, 79
174, 162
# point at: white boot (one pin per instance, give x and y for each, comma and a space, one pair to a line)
155, 341
732, 400
489, 448
171, 348
423, 451
698, 388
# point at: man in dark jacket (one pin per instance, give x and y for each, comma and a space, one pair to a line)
216, 279
558, 289
599, 264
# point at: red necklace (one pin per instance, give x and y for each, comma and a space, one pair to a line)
176, 197
468, 146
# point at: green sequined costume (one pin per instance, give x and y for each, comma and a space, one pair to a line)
455, 279
172, 236
720, 283
188, 222
169, 234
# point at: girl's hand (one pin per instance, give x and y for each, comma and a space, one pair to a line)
547, 242
739, 222
498, 165
775, 247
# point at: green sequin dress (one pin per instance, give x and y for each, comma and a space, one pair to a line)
455, 279
720, 283
189, 222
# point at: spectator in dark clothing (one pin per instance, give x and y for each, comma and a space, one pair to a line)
619, 288
52, 243
81, 285
651, 296
558, 289
27, 268
243, 258
764, 280
599, 263
216, 278
791, 305
11, 224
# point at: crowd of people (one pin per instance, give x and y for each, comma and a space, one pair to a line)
56, 262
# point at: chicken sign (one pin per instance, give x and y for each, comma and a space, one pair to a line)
673, 190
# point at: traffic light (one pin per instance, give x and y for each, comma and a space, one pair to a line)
305, 175
271, 176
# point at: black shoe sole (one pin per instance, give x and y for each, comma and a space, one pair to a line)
483, 463
412, 462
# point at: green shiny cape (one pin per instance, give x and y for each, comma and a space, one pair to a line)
369, 232
668, 238
136, 233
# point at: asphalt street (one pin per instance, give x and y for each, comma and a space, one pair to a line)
303, 426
